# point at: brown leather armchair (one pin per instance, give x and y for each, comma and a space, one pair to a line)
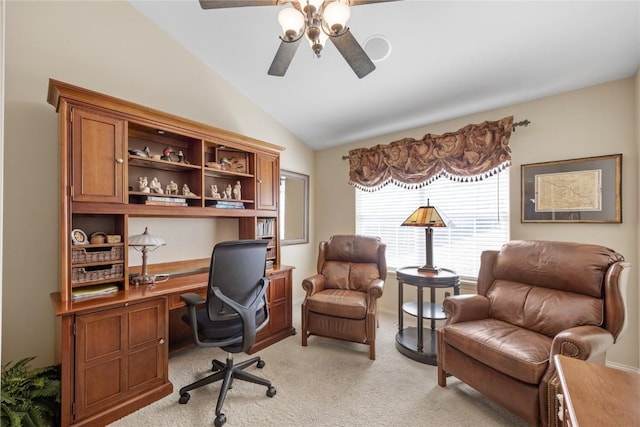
341, 300
535, 299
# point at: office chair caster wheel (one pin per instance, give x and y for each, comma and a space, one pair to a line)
271, 391
220, 419
260, 364
184, 398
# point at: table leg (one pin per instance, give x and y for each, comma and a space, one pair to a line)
433, 301
420, 331
400, 316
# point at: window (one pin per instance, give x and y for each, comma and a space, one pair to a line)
477, 212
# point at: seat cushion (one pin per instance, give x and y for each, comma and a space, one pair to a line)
221, 329
512, 350
339, 303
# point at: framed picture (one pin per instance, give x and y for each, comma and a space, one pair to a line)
233, 160
577, 190
79, 237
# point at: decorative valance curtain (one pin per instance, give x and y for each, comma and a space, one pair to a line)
469, 154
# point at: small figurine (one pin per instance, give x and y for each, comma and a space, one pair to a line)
143, 184
227, 192
214, 191
181, 158
155, 186
166, 154
172, 188
186, 191
147, 151
237, 191
224, 163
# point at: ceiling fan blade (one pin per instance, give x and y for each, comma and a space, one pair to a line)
283, 58
222, 4
353, 53
361, 2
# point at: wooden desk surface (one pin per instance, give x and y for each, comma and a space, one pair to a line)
174, 286
596, 395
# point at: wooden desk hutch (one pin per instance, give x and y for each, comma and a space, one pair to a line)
115, 348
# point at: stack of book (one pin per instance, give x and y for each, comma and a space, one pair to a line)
93, 291
228, 204
165, 201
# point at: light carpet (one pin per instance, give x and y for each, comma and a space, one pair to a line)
328, 383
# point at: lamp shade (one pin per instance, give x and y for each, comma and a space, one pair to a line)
291, 21
146, 239
425, 216
336, 15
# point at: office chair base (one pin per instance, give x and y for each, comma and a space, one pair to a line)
227, 373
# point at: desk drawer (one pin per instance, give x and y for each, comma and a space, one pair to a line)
176, 302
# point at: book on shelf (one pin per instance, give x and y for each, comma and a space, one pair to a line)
166, 199
164, 203
93, 291
228, 204
264, 227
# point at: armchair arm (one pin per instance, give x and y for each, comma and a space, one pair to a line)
313, 284
463, 308
376, 288
588, 343
373, 293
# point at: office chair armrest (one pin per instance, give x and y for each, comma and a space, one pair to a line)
247, 313
192, 299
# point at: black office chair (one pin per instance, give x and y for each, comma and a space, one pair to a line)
236, 309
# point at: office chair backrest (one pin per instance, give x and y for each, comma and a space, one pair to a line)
236, 268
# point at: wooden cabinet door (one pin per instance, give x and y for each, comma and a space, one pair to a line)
119, 352
267, 182
280, 305
98, 148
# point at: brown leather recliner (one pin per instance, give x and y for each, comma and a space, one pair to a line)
341, 300
535, 299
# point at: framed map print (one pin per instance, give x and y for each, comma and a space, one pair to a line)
577, 190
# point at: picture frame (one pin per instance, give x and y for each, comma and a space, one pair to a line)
580, 190
79, 237
234, 160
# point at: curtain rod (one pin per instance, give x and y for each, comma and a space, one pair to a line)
524, 123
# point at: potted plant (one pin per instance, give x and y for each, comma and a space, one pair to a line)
30, 397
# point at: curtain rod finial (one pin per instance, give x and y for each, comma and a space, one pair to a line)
524, 123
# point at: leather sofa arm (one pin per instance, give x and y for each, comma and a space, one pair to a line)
463, 308
588, 343
313, 284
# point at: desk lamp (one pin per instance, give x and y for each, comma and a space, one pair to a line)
145, 243
426, 216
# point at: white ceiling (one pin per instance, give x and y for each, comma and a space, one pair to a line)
448, 59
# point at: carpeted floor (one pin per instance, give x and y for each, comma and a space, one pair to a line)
328, 383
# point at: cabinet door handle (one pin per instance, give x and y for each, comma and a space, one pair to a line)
161, 341
119, 161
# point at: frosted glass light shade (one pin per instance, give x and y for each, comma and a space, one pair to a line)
291, 21
336, 14
146, 239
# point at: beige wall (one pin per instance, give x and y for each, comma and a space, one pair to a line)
111, 48
589, 122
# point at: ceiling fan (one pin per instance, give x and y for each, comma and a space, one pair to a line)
317, 20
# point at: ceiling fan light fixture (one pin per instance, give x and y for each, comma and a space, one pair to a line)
336, 14
291, 22
317, 39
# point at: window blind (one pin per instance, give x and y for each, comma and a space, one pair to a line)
477, 214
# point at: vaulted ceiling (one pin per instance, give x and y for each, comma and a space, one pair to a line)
446, 59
